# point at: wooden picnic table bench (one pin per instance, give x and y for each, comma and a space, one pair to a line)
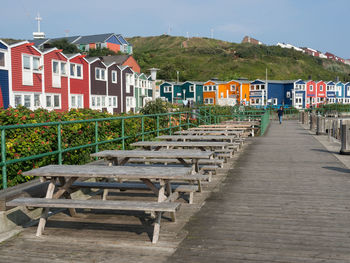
219, 138
203, 146
67, 175
210, 132
122, 157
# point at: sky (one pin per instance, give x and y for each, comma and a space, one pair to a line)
319, 24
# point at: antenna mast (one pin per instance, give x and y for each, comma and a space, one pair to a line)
38, 34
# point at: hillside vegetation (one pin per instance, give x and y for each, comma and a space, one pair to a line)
203, 58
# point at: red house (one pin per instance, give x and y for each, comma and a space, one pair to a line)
79, 85
26, 79
55, 80
321, 87
310, 93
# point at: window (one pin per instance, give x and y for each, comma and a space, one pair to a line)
233, 87
18, 100
56, 101
26, 62
100, 74
114, 101
191, 88
110, 102
288, 94
103, 101
98, 104
262, 87
48, 101
321, 87
63, 68
209, 101
36, 63
37, 100
275, 100
114, 76
167, 89
93, 101
27, 100
77, 101
311, 87
55, 68
2, 59
76, 70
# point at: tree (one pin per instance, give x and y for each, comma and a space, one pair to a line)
99, 52
155, 107
65, 46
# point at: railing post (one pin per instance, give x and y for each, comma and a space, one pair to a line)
3, 159
157, 125
96, 136
59, 143
180, 122
123, 134
188, 121
345, 139
143, 128
170, 126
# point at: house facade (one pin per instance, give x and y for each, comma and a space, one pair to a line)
321, 87
227, 93
257, 93
210, 92
114, 89
330, 92
55, 80
26, 79
339, 92
311, 95
98, 84
128, 84
299, 94
79, 83
166, 91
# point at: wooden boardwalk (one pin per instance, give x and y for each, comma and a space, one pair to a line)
288, 200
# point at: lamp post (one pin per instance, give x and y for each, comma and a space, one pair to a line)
153, 78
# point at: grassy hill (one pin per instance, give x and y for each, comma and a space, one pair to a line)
204, 58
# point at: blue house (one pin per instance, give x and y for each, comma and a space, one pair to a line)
280, 93
299, 94
339, 92
330, 92
4, 75
257, 93
347, 92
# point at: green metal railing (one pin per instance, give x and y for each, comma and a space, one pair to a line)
265, 120
183, 120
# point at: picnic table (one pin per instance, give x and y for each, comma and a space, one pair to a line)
227, 126
210, 132
222, 138
203, 146
67, 176
122, 157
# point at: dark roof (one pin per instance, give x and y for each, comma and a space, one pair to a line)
118, 59
93, 38
38, 42
71, 39
10, 41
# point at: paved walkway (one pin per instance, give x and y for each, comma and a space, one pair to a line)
288, 201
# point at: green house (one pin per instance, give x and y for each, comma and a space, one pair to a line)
142, 90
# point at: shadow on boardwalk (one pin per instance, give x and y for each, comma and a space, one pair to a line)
287, 201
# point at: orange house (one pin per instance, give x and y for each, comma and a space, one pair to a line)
243, 94
209, 92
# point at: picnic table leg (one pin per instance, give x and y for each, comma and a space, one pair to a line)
169, 192
156, 228
44, 214
161, 191
66, 184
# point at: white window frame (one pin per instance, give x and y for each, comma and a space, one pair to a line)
100, 70
191, 88
75, 70
311, 87
76, 98
52, 98
98, 101
233, 87
321, 87
114, 74
209, 101
167, 89
5, 52
22, 96
288, 94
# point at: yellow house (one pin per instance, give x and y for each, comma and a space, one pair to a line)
243, 94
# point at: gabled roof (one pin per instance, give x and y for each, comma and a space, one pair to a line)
194, 82
100, 38
257, 81
9, 41
330, 83
118, 59
281, 81
39, 42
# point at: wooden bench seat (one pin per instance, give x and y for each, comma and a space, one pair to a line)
102, 204
180, 188
176, 161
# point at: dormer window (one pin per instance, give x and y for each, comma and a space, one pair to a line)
2, 59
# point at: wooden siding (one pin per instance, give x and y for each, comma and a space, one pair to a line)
98, 87
16, 65
114, 89
81, 86
63, 90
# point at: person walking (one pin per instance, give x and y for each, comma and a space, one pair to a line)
280, 114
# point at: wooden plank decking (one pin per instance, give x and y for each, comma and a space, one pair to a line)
286, 200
